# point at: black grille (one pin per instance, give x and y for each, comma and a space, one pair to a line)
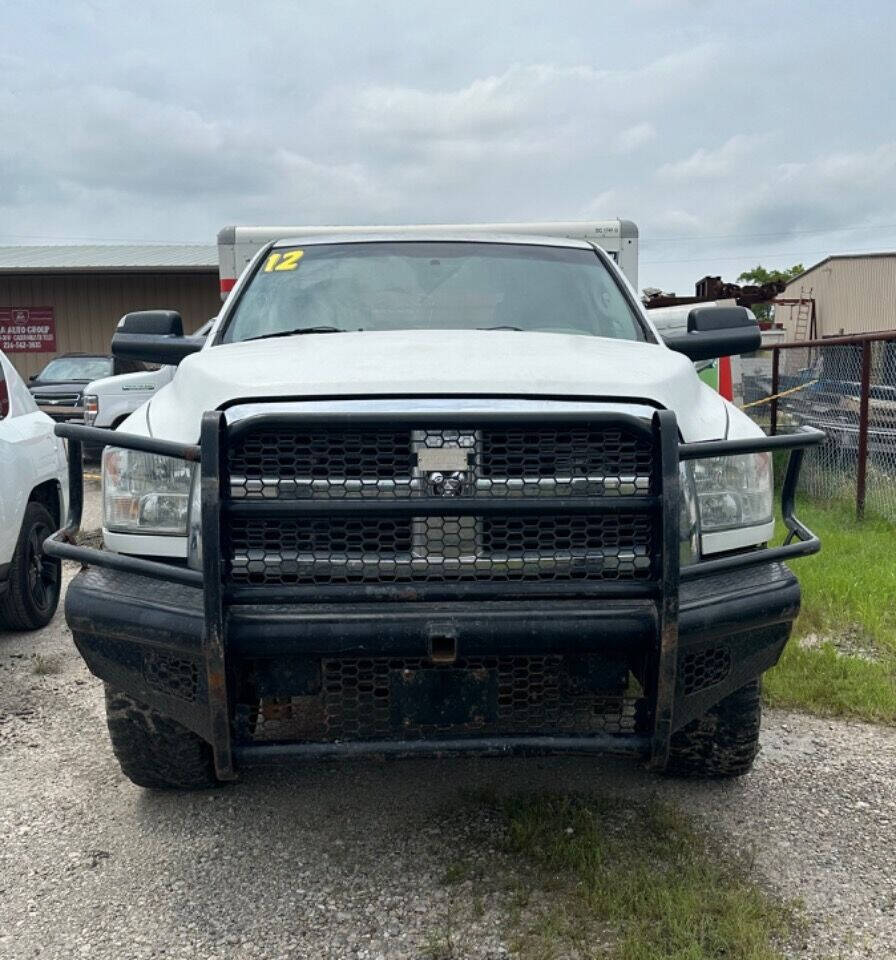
347, 550
589, 461
288, 463
377, 698
59, 399
575, 452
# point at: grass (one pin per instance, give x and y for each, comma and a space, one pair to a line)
44, 666
847, 605
625, 880
850, 583
440, 945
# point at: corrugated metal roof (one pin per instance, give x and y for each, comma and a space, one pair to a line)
843, 256
117, 258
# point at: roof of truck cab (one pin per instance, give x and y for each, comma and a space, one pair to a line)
436, 237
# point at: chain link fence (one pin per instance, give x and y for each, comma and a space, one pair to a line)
845, 386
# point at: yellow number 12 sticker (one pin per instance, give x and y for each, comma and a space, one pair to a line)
283, 261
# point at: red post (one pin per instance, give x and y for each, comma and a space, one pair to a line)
863, 429
773, 424
726, 386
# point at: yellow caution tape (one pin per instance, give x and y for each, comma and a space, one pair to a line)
776, 396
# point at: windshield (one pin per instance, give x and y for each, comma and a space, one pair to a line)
433, 286
77, 368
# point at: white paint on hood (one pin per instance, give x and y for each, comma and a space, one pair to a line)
434, 363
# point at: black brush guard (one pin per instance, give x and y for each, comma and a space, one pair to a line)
220, 596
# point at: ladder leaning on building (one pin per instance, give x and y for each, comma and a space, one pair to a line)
802, 323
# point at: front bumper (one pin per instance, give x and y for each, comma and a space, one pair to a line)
146, 638
402, 667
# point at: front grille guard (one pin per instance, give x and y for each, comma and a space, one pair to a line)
662, 504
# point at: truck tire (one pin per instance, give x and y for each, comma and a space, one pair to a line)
34, 579
723, 742
155, 751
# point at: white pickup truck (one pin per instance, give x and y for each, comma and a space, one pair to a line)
434, 490
33, 489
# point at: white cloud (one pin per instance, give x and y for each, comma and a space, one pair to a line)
707, 164
602, 207
632, 138
168, 120
829, 190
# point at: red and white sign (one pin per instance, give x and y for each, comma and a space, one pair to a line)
27, 330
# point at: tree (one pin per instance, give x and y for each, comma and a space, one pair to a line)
760, 276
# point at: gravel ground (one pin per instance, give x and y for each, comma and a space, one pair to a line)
348, 859
91, 519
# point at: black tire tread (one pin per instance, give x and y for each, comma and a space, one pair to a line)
723, 742
155, 751
15, 611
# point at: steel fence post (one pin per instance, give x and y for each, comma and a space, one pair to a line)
773, 412
863, 429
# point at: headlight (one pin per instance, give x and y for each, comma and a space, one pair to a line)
91, 406
145, 493
733, 491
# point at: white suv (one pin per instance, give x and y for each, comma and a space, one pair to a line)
33, 496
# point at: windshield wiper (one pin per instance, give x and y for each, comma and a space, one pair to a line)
502, 327
296, 333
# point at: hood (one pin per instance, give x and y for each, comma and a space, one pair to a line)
435, 363
143, 381
56, 387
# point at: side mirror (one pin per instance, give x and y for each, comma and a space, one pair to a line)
717, 332
158, 323
153, 336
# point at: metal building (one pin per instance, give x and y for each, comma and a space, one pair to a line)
63, 299
852, 293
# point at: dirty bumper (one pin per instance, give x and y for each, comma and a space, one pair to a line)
317, 679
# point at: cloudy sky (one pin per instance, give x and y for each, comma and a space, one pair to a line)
731, 133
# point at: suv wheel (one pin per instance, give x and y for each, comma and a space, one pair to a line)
724, 741
34, 579
154, 750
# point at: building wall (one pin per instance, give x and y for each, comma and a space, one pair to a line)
852, 295
88, 306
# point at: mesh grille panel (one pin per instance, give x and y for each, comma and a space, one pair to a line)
704, 668
275, 463
172, 675
345, 550
361, 699
289, 463
575, 452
